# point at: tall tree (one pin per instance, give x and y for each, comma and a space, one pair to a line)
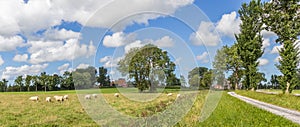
219, 65
234, 64
35, 82
19, 82
103, 77
140, 63
196, 76
43, 78
28, 81
283, 18
249, 41
182, 80
67, 81
274, 81
4, 84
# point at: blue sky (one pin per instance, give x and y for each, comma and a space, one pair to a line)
59, 35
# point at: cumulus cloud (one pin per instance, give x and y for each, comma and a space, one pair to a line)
136, 44
64, 67
263, 61
10, 43
20, 58
62, 34
109, 61
229, 24
276, 49
267, 34
203, 57
277, 59
266, 43
16, 16
82, 66
205, 35
11, 72
49, 51
1, 60
118, 39
164, 42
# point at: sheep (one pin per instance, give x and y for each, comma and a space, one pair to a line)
48, 99
66, 97
116, 95
87, 96
178, 95
59, 98
34, 98
169, 94
95, 95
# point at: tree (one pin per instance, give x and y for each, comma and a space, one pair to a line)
283, 18
43, 80
249, 41
103, 77
234, 64
35, 82
28, 81
274, 81
219, 65
182, 80
19, 82
67, 81
3, 85
207, 79
140, 64
196, 75
88, 73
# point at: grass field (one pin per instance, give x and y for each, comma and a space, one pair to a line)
17, 110
287, 101
279, 91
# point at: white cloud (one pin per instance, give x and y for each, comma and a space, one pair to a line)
109, 61
16, 16
136, 44
1, 60
82, 66
277, 59
10, 43
118, 39
164, 42
105, 59
20, 58
276, 49
203, 57
64, 67
229, 24
266, 43
63, 34
263, 61
206, 35
267, 34
11, 72
49, 51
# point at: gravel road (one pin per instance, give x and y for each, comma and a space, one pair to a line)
286, 113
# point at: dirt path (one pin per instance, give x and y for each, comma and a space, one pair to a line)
286, 113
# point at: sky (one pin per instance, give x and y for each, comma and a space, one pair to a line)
61, 35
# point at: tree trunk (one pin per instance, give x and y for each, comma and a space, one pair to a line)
236, 82
35, 87
28, 88
287, 88
252, 89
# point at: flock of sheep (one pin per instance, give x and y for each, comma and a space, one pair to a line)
88, 96
48, 99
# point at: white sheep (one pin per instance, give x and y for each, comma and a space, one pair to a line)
116, 95
178, 95
59, 98
66, 97
87, 96
169, 94
48, 99
95, 95
34, 98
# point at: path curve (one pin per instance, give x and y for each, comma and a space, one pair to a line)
292, 115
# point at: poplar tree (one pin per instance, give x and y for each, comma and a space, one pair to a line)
249, 41
283, 18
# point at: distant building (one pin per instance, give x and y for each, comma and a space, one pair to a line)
122, 82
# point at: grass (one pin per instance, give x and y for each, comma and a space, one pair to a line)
17, 110
287, 101
280, 91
